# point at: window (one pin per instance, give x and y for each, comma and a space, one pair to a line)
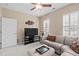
71, 24
46, 27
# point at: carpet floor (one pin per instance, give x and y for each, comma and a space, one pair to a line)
18, 50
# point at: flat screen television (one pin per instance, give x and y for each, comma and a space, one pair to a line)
31, 31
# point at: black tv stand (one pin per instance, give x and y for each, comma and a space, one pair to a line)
28, 39
31, 39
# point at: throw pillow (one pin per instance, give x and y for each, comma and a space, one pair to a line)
75, 46
51, 38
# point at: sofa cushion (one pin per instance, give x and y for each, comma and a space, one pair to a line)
51, 38
60, 39
69, 40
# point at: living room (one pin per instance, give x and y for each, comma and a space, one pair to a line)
29, 27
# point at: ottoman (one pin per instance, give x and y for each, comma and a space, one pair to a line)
33, 52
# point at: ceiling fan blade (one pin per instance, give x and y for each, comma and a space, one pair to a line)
46, 5
33, 8
34, 3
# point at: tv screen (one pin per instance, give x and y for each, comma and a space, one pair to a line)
31, 31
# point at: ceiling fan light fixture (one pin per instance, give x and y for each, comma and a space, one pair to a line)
38, 6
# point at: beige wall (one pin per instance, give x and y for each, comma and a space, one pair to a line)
0, 12
56, 18
21, 19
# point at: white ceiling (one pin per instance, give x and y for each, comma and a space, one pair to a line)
25, 8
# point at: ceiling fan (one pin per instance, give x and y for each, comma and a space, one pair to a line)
40, 5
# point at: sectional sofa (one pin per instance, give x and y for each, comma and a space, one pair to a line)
61, 45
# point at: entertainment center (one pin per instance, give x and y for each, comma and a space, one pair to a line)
31, 35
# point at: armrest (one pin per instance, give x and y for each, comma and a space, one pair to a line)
66, 54
53, 44
66, 48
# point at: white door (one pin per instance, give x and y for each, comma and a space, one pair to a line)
9, 32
